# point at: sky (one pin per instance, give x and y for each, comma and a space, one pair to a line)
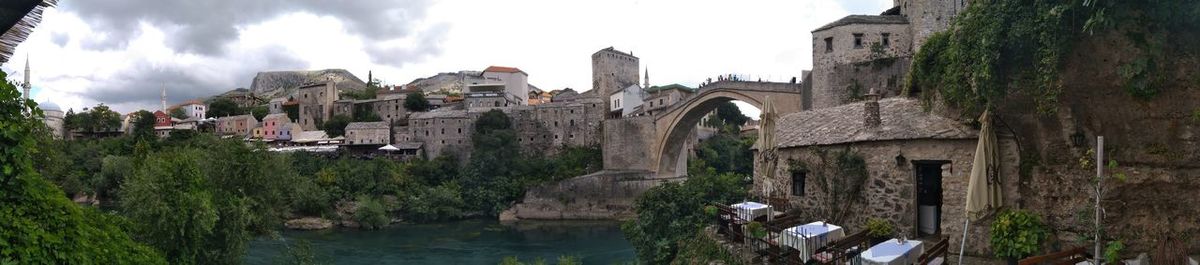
122, 52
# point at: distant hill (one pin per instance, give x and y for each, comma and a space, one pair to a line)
282, 83
450, 82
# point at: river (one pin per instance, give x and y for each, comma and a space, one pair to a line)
457, 242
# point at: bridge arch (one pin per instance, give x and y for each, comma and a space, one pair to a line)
674, 125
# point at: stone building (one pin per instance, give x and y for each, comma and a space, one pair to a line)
368, 133
661, 97
443, 132
240, 125
859, 52
613, 70
566, 123
276, 105
316, 104
387, 109
886, 159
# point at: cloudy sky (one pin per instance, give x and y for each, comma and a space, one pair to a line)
121, 52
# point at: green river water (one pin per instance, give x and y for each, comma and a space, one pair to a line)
457, 242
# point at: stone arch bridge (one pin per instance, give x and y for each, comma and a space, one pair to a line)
655, 143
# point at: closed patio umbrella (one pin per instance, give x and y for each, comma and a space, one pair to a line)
766, 145
983, 187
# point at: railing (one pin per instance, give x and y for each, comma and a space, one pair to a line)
734, 229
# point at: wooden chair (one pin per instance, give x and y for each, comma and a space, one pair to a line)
1066, 257
936, 255
843, 250
780, 204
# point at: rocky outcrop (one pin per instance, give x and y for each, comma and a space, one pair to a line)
281, 83
309, 223
604, 195
451, 82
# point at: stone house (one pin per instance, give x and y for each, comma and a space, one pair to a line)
859, 52
368, 133
489, 96
316, 104
388, 109
241, 125
443, 132
661, 97
886, 159
276, 105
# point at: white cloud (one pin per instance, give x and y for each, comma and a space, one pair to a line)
681, 41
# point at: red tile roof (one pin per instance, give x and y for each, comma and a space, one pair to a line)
503, 69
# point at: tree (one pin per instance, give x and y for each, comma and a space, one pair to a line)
178, 113
416, 102
259, 112
38, 224
292, 110
103, 119
364, 113
336, 126
172, 205
143, 124
222, 107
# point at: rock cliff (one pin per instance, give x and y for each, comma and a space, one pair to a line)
281, 83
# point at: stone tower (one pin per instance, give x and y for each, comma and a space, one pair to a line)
929, 16
613, 70
27, 86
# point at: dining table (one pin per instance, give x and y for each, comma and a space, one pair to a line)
893, 252
807, 238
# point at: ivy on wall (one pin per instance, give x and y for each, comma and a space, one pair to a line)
839, 175
995, 48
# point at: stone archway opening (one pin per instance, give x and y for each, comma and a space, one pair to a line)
684, 129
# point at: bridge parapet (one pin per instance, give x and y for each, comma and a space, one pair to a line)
752, 85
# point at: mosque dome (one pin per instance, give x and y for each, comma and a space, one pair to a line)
47, 106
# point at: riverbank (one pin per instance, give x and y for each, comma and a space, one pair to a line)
473, 241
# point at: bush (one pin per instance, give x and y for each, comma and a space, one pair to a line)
673, 212
436, 203
371, 214
1017, 234
879, 228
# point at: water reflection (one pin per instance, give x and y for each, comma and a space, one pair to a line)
459, 242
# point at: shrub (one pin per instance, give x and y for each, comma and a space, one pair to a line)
1016, 234
879, 228
370, 213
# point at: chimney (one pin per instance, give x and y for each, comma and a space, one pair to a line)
871, 110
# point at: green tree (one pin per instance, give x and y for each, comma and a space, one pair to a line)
727, 152
173, 206
292, 110
336, 126
259, 111
222, 107
178, 113
38, 224
365, 113
143, 125
416, 102
670, 214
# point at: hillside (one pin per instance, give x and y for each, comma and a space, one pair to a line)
280, 83
448, 82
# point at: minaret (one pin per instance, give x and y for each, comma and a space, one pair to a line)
27, 86
163, 99
647, 84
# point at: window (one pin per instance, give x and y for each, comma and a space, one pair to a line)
885, 39
798, 182
660, 102
829, 44
572, 122
858, 40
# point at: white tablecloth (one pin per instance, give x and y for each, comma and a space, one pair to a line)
750, 210
809, 237
891, 252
